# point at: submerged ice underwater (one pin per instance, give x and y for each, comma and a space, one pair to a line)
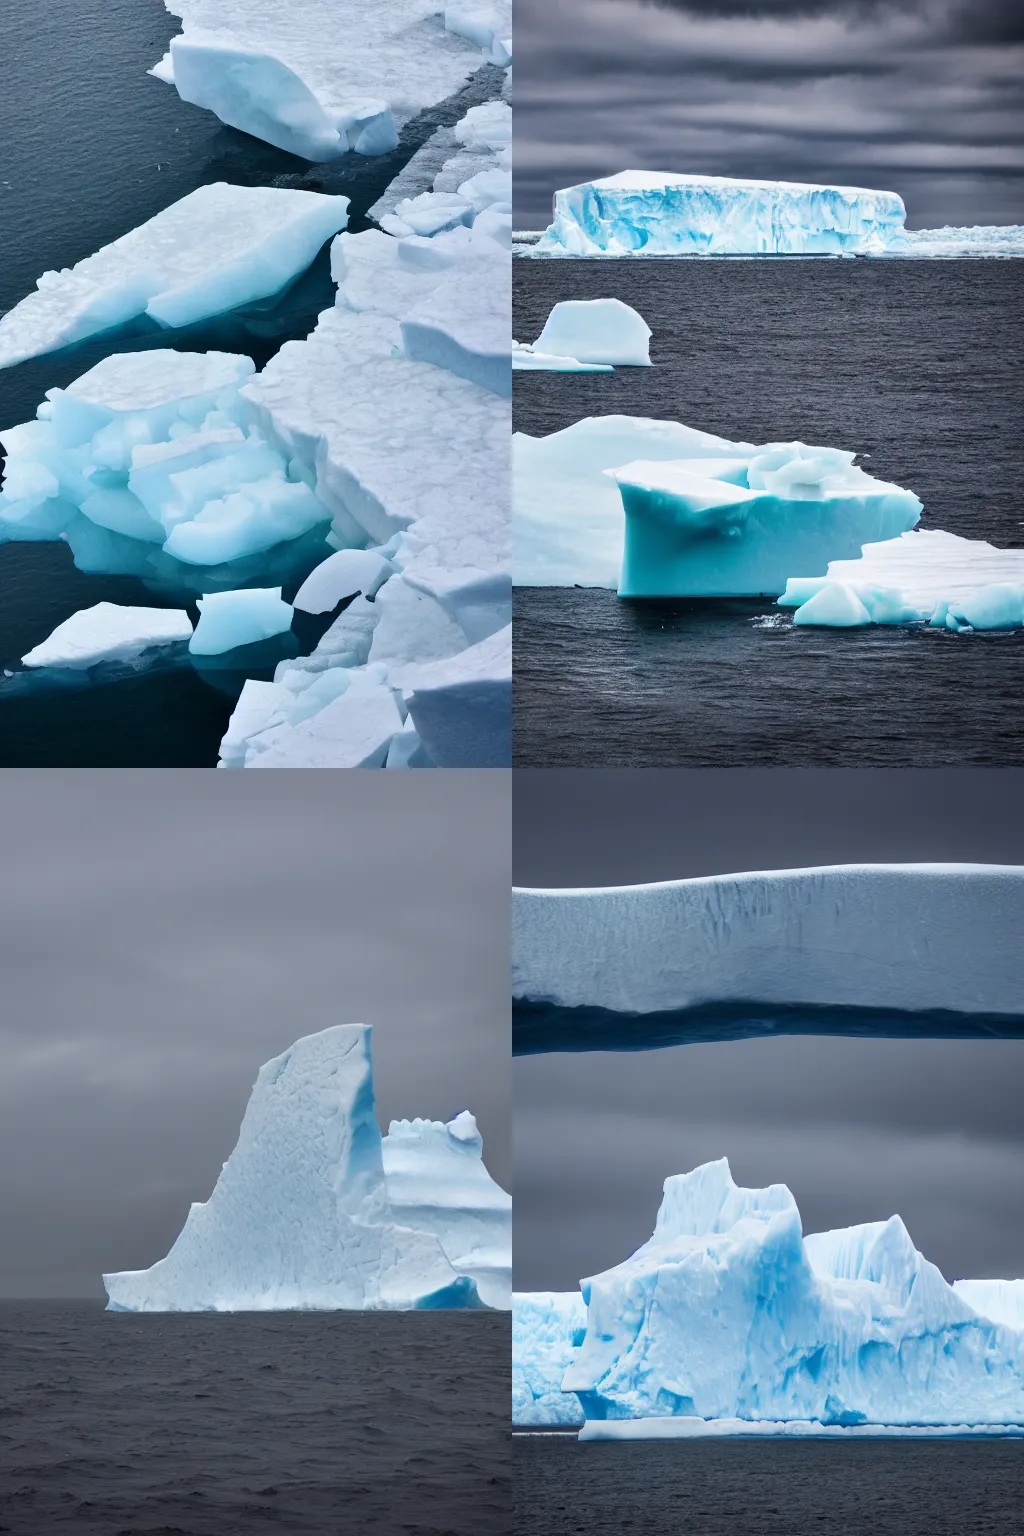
383, 435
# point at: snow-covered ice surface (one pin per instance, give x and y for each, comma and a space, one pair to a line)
655, 508
928, 577
728, 1313
301, 1214
109, 632
1001, 1301
653, 213
321, 77
220, 247
437, 1182
860, 948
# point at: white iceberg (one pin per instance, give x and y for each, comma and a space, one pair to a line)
218, 248
596, 331
729, 1313
321, 77
230, 619
109, 632
301, 1216
958, 241
1001, 1301
927, 577
857, 948
654, 508
653, 213
437, 1182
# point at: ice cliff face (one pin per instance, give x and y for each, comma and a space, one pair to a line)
321, 77
301, 1216
662, 214
728, 1312
907, 946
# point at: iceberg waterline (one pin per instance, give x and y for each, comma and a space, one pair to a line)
314, 1210
729, 1318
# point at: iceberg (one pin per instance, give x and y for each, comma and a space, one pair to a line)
655, 508
548, 1328
1001, 1301
596, 331
728, 1312
321, 77
230, 619
218, 248
526, 359
301, 1214
928, 577
653, 213
342, 575
437, 1182
109, 632
958, 241
883, 949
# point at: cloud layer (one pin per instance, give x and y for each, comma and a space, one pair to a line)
922, 97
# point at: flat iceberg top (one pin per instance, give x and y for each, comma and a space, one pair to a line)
729, 1313
901, 937
217, 248
642, 181
141, 381
108, 632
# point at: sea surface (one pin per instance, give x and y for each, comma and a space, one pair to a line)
92, 147
740, 1488
116, 1424
913, 364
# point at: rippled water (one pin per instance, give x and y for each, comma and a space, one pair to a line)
912, 363
200, 1425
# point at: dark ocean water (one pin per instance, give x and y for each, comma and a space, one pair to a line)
733, 1488
916, 364
91, 147
118, 1425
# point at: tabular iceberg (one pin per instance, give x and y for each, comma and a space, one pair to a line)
321, 77
301, 1215
729, 1313
218, 248
850, 949
928, 577
652, 213
656, 509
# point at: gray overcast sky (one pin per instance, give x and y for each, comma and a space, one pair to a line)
164, 933
857, 1129
921, 97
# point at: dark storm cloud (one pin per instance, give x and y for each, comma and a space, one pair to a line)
164, 934
924, 98
857, 1129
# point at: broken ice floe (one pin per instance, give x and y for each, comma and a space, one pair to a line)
109, 632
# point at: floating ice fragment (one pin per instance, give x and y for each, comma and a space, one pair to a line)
341, 575
461, 706
108, 632
230, 619
596, 331
526, 359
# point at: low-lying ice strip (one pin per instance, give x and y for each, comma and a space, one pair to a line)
688, 1428
218, 248
728, 1313
912, 937
926, 577
109, 632
526, 359
666, 214
321, 77
654, 508
301, 1217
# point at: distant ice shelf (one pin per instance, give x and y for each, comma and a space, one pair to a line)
655, 508
218, 248
883, 949
319, 78
313, 1211
729, 1321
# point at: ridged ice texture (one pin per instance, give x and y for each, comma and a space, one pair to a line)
654, 214
548, 1328
881, 936
300, 1217
217, 248
728, 1312
437, 1182
321, 77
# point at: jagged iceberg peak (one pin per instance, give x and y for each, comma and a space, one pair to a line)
300, 1217
729, 1313
655, 213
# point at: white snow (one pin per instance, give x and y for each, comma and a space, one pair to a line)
220, 247
301, 1217
231, 619
925, 577
341, 575
882, 936
1001, 1301
108, 632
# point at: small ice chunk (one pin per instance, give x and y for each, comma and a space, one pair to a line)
231, 619
341, 575
461, 706
596, 331
109, 632
526, 359
836, 604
